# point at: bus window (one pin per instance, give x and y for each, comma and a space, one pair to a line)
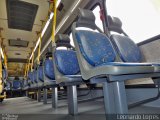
71, 39
98, 21
61, 48
140, 18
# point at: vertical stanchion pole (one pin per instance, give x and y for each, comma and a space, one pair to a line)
1, 82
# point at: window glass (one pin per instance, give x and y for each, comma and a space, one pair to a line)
61, 48
98, 21
140, 18
71, 39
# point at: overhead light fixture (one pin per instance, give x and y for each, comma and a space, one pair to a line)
59, 27
31, 56
74, 6
43, 31
37, 44
47, 23
2, 53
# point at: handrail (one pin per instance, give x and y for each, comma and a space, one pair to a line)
54, 21
5, 59
1, 83
61, 23
51, 7
43, 25
39, 50
32, 62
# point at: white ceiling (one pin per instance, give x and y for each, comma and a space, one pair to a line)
24, 35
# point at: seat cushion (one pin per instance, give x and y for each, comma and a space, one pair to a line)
95, 47
126, 48
49, 69
40, 73
66, 62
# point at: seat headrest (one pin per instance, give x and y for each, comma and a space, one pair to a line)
86, 18
41, 63
115, 24
63, 40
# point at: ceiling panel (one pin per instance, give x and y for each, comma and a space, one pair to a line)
18, 43
21, 15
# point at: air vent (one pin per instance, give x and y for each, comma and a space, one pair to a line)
18, 43
21, 15
17, 54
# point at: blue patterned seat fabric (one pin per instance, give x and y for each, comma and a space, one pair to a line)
66, 62
4, 73
127, 49
95, 47
30, 76
35, 76
98, 50
16, 84
40, 73
49, 69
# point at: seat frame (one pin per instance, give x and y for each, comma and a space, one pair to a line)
71, 82
113, 87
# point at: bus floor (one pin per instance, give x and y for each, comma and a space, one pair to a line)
24, 105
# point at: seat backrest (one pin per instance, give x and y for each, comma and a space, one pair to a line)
126, 48
128, 51
94, 46
16, 84
66, 59
4, 73
40, 73
35, 76
66, 62
49, 69
30, 76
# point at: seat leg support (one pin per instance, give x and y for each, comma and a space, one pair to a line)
39, 95
54, 97
45, 96
72, 100
115, 98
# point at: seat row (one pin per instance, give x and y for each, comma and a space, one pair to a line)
96, 58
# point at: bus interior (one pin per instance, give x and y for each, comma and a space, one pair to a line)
79, 59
